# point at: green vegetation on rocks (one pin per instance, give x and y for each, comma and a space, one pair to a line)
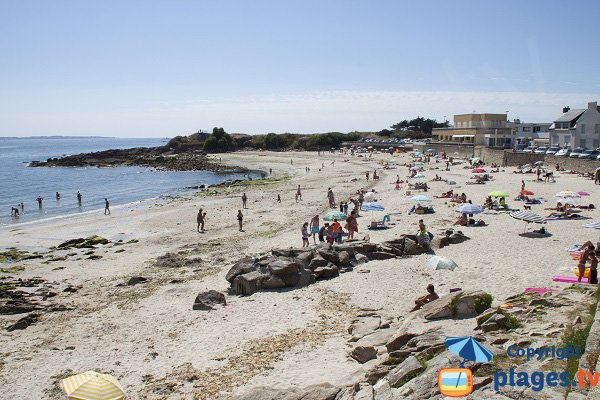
81, 243
13, 254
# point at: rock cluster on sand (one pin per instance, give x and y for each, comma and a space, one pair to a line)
301, 267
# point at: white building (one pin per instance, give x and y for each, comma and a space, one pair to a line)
531, 132
577, 128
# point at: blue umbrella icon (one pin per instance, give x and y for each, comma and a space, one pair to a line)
469, 349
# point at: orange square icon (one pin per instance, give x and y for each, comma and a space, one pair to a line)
455, 382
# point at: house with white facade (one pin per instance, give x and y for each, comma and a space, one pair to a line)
577, 127
535, 133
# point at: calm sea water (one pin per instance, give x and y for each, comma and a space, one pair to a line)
120, 185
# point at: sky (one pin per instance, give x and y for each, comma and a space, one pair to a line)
164, 68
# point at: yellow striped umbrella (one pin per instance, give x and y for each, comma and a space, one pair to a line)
92, 386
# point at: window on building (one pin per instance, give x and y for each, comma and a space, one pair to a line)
597, 128
526, 129
596, 143
582, 128
536, 128
582, 143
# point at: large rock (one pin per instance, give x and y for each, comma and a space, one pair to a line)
410, 365
378, 372
456, 305
365, 393
363, 327
344, 257
317, 262
24, 322
305, 258
378, 338
330, 271
347, 247
457, 237
284, 267
207, 300
273, 282
242, 266
380, 255
329, 255
382, 390
249, 283
291, 252
411, 248
361, 258
399, 340
362, 354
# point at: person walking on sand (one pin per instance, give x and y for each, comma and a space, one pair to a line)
314, 227
279, 198
299, 194
522, 185
304, 230
40, 199
240, 218
201, 218
351, 225
367, 175
79, 197
106, 207
244, 200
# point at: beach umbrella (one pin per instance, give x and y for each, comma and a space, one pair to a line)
437, 262
373, 207
419, 198
567, 193
592, 225
527, 192
370, 197
475, 159
568, 200
418, 176
469, 349
528, 217
468, 208
498, 193
583, 193
331, 215
478, 170
92, 385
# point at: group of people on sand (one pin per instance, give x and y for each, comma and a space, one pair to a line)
591, 254
330, 233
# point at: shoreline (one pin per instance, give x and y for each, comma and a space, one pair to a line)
152, 325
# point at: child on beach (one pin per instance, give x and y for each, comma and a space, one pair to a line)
314, 227
305, 242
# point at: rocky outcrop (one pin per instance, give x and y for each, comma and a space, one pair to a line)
457, 305
207, 301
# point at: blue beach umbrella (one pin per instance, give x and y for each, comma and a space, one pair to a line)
468, 348
331, 215
372, 207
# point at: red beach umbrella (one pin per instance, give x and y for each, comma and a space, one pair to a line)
527, 192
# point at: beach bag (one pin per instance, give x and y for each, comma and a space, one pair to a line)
593, 276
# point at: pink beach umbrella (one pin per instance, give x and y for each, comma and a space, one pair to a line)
583, 193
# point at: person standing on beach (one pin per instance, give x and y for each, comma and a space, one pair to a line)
106, 207
270, 171
314, 227
367, 175
522, 185
361, 199
596, 176
200, 218
22, 205
304, 231
244, 200
279, 198
240, 218
331, 198
39, 200
351, 225
79, 197
57, 196
299, 194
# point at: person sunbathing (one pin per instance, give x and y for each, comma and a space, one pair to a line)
462, 220
488, 203
429, 297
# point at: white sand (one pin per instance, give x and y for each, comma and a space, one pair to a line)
148, 335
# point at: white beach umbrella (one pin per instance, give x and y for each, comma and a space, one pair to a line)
437, 262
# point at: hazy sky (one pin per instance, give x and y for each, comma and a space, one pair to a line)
162, 68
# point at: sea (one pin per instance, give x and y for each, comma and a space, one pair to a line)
120, 185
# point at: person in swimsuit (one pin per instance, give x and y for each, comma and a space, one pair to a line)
314, 228
200, 220
240, 218
305, 242
588, 248
429, 297
352, 225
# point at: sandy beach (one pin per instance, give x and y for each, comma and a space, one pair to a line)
149, 337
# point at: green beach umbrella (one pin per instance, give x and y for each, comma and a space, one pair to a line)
331, 215
498, 193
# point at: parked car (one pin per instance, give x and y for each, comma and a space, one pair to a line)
529, 149
563, 152
520, 147
552, 150
577, 152
590, 154
540, 150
